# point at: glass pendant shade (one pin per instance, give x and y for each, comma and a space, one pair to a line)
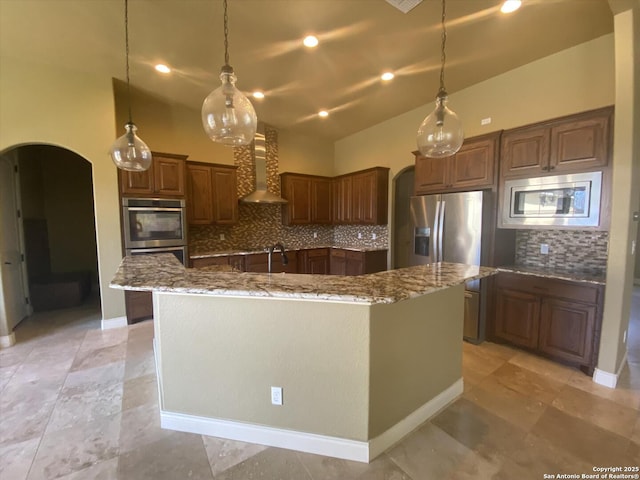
440, 134
228, 117
129, 152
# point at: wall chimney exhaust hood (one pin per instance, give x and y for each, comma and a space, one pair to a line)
261, 194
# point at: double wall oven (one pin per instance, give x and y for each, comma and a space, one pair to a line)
155, 225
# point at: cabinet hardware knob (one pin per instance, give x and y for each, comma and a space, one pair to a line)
552, 167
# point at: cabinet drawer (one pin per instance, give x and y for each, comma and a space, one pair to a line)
579, 292
338, 253
351, 255
208, 261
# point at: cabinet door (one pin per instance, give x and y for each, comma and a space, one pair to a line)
364, 198
431, 175
137, 183
566, 330
317, 261
138, 306
338, 263
225, 195
343, 197
321, 205
168, 176
354, 263
525, 152
580, 144
297, 190
517, 317
200, 195
473, 165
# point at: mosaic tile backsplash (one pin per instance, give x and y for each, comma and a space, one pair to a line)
260, 226
569, 250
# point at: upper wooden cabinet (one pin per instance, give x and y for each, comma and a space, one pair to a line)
164, 178
309, 199
569, 144
362, 197
211, 194
473, 166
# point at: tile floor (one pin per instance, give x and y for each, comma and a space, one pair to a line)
80, 403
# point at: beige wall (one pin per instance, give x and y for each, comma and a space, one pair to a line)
46, 104
409, 339
347, 370
224, 360
626, 179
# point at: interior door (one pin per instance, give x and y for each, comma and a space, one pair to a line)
12, 293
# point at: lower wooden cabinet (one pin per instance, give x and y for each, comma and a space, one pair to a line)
355, 262
557, 318
314, 261
319, 261
138, 306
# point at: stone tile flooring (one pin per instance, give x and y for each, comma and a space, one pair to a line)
80, 403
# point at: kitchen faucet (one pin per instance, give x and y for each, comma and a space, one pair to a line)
285, 259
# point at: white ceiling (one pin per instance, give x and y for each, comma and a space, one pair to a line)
359, 39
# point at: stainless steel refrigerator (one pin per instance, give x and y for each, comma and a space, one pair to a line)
449, 228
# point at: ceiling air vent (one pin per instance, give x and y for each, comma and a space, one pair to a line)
404, 5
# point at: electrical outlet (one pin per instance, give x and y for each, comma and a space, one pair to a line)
276, 395
222, 236
373, 236
315, 234
485, 121
359, 235
544, 248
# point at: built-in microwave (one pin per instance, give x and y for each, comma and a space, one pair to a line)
558, 201
154, 222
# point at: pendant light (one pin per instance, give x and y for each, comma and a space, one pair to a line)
129, 152
440, 134
228, 116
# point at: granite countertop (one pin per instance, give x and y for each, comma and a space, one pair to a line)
163, 272
553, 273
223, 253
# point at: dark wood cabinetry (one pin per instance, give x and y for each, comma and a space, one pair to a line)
575, 143
473, 167
211, 194
361, 198
138, 306
309, 199
259, 262
314, 261
558, 318
164, 178
353, 262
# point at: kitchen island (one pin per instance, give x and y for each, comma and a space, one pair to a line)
362, 361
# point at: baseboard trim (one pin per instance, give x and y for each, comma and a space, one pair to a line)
115, 322
360, 451
407, 425
7, 341
608, 379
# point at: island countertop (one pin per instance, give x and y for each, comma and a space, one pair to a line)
164, 273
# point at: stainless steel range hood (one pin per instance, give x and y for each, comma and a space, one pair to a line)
261, 194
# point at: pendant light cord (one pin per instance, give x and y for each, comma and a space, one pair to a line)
226, 35
126, 47
443, 55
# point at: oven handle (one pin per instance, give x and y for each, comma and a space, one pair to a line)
153, 209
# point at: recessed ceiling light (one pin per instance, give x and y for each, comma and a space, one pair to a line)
258, 94
310, 41
510, 6
162, 68
386, 76
323, 113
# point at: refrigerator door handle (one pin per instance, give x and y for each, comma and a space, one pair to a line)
436, 233
441, 231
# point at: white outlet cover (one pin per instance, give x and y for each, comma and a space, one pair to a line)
276, 395
485, 121
544, 249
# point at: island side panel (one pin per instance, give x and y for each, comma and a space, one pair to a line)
416, 354
219, 356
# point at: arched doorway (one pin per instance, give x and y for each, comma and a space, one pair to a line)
56, 220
